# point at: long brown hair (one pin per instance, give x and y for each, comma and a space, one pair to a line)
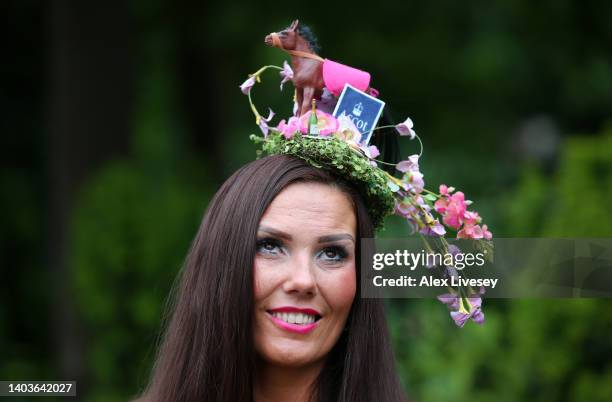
207, 353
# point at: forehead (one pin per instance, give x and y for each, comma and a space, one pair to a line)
311, 208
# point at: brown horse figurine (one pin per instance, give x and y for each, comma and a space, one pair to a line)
299, 42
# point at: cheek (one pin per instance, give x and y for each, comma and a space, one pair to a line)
266, 278
261, 283
339, 289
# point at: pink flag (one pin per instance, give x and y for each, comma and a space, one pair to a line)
335, 75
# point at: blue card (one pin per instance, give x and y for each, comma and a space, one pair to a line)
364, 110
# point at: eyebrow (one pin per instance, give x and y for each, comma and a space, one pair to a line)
274, 232
322, 239
336, 237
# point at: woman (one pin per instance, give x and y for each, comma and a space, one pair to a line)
268, 306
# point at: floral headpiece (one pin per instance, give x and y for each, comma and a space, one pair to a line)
336, 144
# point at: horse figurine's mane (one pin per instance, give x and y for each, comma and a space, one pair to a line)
306, 33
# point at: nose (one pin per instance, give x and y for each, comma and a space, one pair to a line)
301, 278
268, 40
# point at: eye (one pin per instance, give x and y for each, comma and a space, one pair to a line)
268, 246
333, 254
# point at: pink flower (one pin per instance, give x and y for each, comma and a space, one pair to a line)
452, 219
470, 231
441, 204
247, 85
405, 128
453, 209
471, 217
289, 129
485, 233
445, 190
286, 73
327, 123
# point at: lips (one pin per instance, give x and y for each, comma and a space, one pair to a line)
295, 319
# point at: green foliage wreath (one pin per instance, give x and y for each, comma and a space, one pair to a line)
342, 160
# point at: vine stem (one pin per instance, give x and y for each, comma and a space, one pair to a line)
383, 162
415, 134
256, 74
254, 109
431, 192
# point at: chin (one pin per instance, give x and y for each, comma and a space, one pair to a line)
292, 354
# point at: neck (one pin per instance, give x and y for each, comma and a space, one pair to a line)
282, 384
302, 44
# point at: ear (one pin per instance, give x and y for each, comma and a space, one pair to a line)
294, 25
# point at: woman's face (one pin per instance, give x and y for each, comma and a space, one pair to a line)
304, 274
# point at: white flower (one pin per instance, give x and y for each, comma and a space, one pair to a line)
263, 123
409, 165
286, 73
247, 85
405, 128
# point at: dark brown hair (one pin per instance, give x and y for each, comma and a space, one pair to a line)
207, 353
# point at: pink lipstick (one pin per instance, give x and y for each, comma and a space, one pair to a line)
295, 319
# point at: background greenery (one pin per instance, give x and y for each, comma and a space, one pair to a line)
119, 120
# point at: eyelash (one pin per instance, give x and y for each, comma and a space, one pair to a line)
261, 243
340, 252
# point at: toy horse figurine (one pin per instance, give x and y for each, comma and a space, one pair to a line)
312, 73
